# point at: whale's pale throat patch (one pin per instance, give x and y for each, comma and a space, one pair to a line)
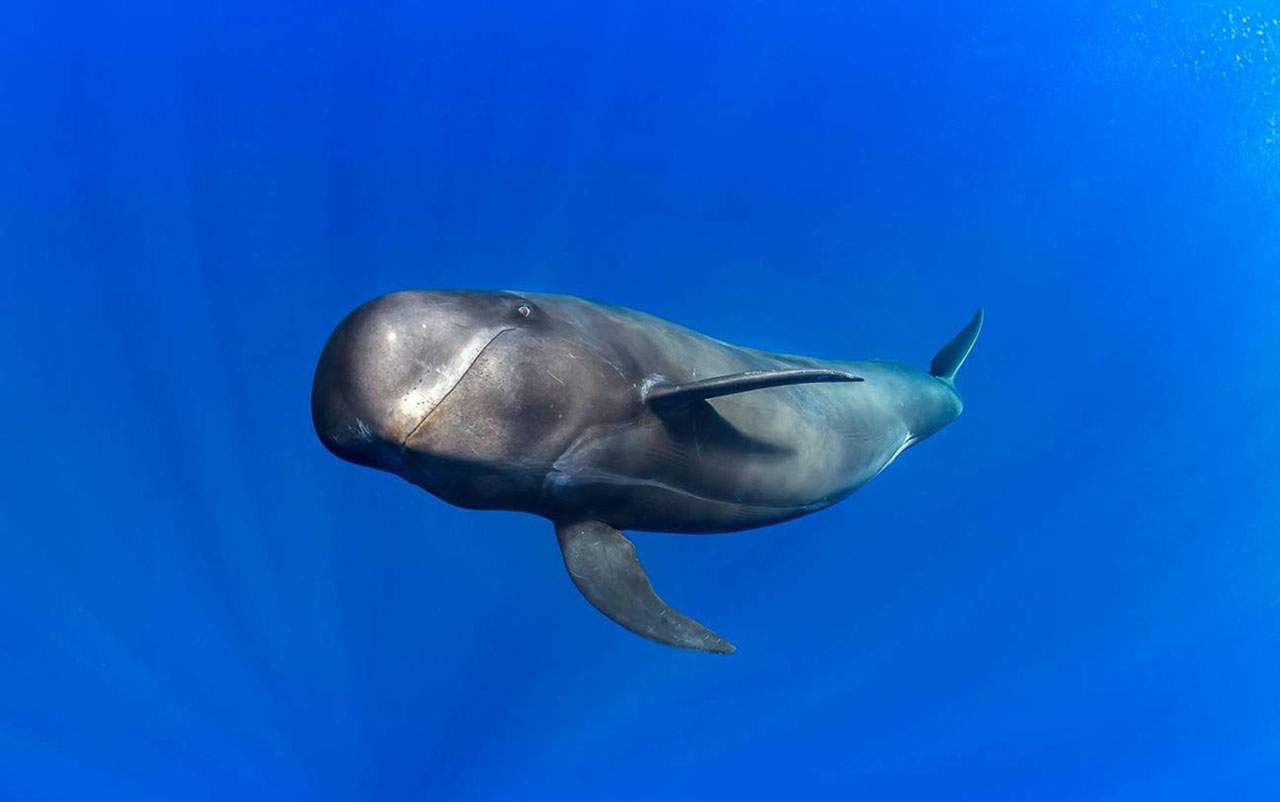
436, 384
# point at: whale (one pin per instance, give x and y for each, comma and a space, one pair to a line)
603, 419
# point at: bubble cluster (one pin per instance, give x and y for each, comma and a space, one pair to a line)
1223, 60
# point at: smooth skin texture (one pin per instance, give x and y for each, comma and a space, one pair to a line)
602, 419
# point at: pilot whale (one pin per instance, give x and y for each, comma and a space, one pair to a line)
602, 419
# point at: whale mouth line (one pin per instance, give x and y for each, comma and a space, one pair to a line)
404, 443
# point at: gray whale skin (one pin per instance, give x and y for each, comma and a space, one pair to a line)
602, 419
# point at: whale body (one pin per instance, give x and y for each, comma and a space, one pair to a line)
602, 419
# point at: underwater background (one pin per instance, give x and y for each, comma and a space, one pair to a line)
1072, 593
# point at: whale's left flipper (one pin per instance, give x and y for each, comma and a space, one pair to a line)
604, 566
664, 394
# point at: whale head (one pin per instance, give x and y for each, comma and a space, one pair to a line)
469, 395
390, 364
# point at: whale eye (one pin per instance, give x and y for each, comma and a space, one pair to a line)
525, 310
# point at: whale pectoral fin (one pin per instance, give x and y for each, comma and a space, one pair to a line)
664, 394
602, 562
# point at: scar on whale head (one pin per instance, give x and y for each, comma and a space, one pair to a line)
603, 419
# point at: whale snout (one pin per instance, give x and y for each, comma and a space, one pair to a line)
390, 363
366, 369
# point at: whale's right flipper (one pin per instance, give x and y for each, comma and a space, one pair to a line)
668, 395
604, 566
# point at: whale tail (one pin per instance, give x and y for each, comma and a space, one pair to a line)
952, 355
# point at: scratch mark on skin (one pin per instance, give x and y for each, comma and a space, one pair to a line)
649, 383
363, 431
404, 443
597, 352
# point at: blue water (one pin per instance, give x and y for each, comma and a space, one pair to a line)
1072, 593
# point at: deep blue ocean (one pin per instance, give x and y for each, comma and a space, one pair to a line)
1072, 593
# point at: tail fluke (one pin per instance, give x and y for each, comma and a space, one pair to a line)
947, 361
